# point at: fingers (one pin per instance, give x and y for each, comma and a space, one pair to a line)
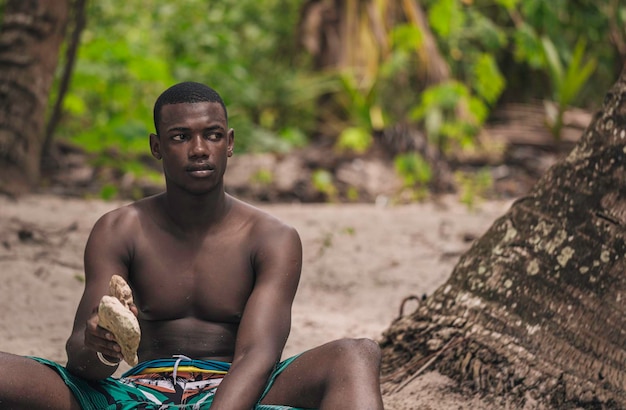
107, 345
133, 309
101, 340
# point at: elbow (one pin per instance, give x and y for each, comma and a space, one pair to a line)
74, 365
73, 346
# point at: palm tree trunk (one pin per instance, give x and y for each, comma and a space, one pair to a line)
534, 312
30, 38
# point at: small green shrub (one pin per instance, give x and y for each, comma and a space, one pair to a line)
413, 169
323, 182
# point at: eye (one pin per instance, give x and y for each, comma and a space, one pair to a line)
178, 137
214, 136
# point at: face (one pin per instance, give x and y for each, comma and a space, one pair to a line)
194, 143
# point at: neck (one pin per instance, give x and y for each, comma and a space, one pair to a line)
196, 212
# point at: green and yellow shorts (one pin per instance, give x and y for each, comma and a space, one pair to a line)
177, 383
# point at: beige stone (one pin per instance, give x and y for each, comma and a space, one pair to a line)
115, 316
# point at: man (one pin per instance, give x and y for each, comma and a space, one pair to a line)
213, 280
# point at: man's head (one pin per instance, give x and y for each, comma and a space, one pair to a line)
193, 139
187, 92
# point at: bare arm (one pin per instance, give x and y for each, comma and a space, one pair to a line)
107, 253
266, 321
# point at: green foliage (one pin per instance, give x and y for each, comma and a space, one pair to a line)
360, 98
406, 37
244, 48
415, 174
115, 81
446, 17
108, 192
487, 79
466, 30
509, 5
247, 50
263, 177
451, 112
293, 137
360, 101
130, 53
352, 194
528, 47
354, 139
567, 83
413, 170
323, 182
438, 111
562, 24
477, 39
474, 187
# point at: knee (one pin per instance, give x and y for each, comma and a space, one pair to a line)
358, 352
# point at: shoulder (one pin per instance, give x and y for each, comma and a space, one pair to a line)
276, 248
127, 218
269, 237
262, 224
115, 235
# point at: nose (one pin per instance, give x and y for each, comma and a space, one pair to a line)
198, 147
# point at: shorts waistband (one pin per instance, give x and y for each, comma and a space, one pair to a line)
179, 365
170, 369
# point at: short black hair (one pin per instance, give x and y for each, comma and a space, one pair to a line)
186, 92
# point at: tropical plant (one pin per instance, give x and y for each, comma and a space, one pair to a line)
438, 111
412, 169
322, 181
566, 82
444, 63
473, 187
129, 56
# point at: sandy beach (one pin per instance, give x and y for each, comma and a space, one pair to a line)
360, 262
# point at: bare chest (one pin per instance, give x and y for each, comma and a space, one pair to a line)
209, 279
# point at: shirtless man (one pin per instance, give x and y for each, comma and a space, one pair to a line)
213, 280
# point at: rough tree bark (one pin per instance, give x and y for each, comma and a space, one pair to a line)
30, 38
534, 312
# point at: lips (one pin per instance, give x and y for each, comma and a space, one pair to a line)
200, 170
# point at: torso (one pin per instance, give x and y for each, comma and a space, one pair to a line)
191, 291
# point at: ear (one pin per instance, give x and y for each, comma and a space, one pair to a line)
231, 142
155, 146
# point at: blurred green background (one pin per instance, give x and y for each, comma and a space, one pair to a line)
294, 73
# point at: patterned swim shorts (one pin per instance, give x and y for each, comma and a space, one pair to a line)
176, 383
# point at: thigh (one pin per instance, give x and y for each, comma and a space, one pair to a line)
346, 369
300, 384
28, 384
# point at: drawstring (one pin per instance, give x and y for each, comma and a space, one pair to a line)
197, 405
179, 357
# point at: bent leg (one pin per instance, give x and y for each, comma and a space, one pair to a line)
27, 384
344, 374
